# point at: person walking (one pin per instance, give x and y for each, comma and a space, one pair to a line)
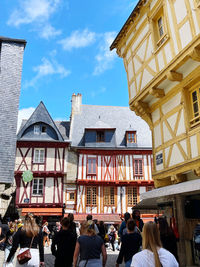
89, 246
138, 220
8, 244
72, 226
28, 236
153, 255
131, 243
89, 218
167, 236
112, 237
46, 233
63, 245
122, 228
102, 230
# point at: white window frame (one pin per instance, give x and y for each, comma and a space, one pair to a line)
36, 181
40, 158
36, 129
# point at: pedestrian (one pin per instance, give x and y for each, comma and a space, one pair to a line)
29, 236
102, 230
167, 236
138, 220
153, 254
112, 237
131, 243
127, 216
56, 228
72, 226
46, 233
8, 244
63, 245
89, 246
89, 218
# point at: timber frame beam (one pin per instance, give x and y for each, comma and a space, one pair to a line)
174, 76
156, 92
195, 54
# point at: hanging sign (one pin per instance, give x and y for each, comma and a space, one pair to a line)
27, 176
159, 159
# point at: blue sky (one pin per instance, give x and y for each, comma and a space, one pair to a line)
68, 51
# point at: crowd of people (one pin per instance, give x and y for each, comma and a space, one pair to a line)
140, 245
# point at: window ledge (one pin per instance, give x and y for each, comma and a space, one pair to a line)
166, 36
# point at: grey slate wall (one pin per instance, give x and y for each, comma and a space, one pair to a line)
11, 58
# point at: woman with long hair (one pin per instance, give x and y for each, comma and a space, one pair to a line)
153, 255
29, 236
167, 236
90, 246
46, 233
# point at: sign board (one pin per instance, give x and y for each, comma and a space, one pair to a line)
26, 200
27, 176
159, 159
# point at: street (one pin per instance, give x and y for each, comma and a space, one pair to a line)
111, 261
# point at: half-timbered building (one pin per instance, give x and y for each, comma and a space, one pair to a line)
42, 148
114, 159
160, 47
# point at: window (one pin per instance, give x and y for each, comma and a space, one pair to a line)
100, 136
131, 137
71, 196
138, 167
132, 196
91, 196
91, 166
149, 188
159, 28
195, 100
38, 155
38, 184
44, 129
36, 129
109, 195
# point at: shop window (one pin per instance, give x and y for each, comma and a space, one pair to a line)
91, 196
138, 167
37, 187
100, 136
38, 155
131, 137
91, 166
109, 195
195, 106
132, 195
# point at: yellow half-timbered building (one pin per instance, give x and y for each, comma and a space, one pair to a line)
160, 47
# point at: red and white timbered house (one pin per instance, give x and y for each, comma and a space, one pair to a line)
42, 148
115, 160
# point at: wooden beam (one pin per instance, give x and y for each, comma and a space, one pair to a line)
195, 54
158, 93
174, 76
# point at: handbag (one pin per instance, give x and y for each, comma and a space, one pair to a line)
25, 256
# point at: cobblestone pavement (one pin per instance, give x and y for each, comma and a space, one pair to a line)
111, 261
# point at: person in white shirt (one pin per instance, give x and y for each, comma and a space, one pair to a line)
153, 255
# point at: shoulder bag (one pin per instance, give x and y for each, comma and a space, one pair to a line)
25, 256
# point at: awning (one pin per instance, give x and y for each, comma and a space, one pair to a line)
106, 218
43, 211
150, 199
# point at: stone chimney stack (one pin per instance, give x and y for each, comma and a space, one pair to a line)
76, 103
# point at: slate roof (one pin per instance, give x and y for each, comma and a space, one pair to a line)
121, 118
41, 114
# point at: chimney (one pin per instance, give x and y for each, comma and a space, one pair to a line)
76, 103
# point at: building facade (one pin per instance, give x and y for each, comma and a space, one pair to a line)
11, 58
42, 148
160, 46
114, 160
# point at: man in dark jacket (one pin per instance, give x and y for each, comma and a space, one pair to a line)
138, 220
63, 245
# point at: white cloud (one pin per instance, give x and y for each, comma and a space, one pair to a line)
24, 114
46, 68
105, 57
38, 13
78, 39
49, 31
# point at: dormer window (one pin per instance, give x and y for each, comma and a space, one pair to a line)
131, 137
36, 129
100, 136
43, 129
